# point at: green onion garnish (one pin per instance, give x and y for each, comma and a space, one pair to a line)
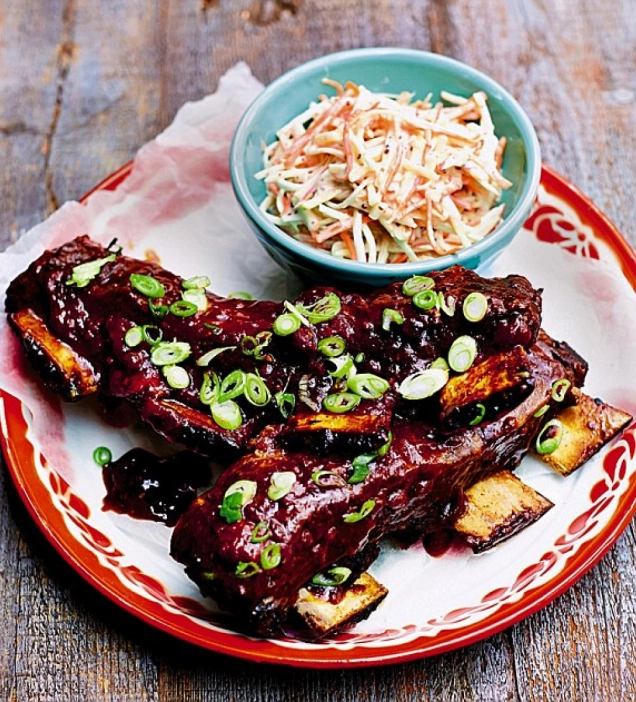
263, 338
280, 484
240, 295
541, 411
475, 307
333, 577
158, 311
462, 353
439, 363
246, 569
177, 377
342, 365
232, 385
361, 468
549, 437
256, 391
286, 402
196, 297
446, 304
359, 357
481, 413
365, 511
133, 337
341, 402
237, 495
260, 533
322, 311
416, 284
560, 389
210, 355
248, 345
167, 353
183, 308
197, 282
389, 317
423, 383
102, 455
214, 328
286, 324
327, 479
210, 387
425, 300
270, 556
384, 449
152, 334
368, 386
147, 285
83, 273
227, 414
332, 346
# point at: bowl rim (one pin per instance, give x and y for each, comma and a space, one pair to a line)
345, 266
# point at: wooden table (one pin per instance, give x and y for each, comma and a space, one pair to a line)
84, 84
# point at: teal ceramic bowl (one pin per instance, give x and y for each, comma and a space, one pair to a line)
382, 70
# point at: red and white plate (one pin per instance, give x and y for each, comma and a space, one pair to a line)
588, 272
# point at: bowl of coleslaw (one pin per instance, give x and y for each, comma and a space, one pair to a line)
372, 165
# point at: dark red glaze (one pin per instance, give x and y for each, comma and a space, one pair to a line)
145, 486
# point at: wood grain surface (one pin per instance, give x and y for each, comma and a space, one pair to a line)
83, 85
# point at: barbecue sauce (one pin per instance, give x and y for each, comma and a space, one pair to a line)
145, 486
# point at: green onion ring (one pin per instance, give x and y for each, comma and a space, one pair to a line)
280, 484
365, 511
83, 273
446, 304
232, 385
328, 479
270, 556
286, 324
368, 385
227, 414
560, 389
425, 300
210, 387
462, 353
286, 402
339, 576
260, 533
541, 411
238, 494
196, 297
152, 334
246, 569
416, 284
197, 282
158, 311
255, 391
389, 317
177, 377
481, 413
167, 353
384, 449
423, 384
325, 309
147, 285
183, 308
549, 438
133, 337
332, 346
342, 365
475, 307
341, 402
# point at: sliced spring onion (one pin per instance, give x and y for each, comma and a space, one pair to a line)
541, 411
133, 337
327, 479
462, 353
286, 324
227, 414
83, 273
332, 346
177, 377
241, 295
481, 413
423, 383
158, 311
325, 309
211, 355
196, 297
475, 307
549, 438
425, 300
384, 449
232, 385
359, 357
365, 511
446, 304
560, 389
341, 402
361, 468
147, 285
167, 353
417, 284
368, 386
214, 328
255, 391
286, 402
297, 311
270, 556
183, 308
338, 575
389, 317
341, 365
260, 533
248, 345
210, 387
197, 282
246, 569
208, 575
152, 334
440, 363
102, 455
280, 484
238, 494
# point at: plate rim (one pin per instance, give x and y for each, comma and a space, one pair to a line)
17, 448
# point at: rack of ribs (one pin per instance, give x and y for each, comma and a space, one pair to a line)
340, 417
